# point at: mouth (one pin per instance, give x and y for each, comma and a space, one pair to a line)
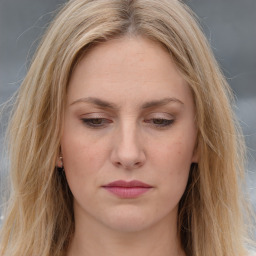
127, 189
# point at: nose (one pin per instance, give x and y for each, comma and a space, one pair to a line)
128, 152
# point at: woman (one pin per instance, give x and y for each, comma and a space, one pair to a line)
122, 139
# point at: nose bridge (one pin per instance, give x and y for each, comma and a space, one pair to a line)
128, 139
128, 151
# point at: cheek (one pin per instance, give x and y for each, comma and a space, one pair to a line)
72, 149
83, 155
175, 153
81, 164
174, 159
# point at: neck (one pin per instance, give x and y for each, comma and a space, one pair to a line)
155, 240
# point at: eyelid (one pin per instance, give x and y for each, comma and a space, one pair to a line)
159, 120
89, 122
160, 115
94, 115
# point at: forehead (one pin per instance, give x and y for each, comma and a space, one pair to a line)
127, 68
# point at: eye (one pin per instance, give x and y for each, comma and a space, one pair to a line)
95, 122
160, 122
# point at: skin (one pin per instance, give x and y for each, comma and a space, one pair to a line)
129, 140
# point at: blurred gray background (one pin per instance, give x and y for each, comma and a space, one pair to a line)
230, 26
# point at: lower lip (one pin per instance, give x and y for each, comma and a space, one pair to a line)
128, 192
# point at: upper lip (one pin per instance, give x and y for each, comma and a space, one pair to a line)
128, 184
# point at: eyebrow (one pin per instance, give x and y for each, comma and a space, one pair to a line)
105, 104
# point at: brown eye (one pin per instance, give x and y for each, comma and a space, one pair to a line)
160, 122
95, 122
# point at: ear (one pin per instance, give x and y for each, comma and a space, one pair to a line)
59, 162
196, 155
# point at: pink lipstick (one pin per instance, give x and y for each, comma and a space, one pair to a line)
130, 189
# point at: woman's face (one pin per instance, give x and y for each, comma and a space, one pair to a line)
129, 117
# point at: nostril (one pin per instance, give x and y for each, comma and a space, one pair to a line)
123, 156
137, 164
119, 164
128, 165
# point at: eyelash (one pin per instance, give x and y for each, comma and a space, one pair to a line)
164, 123
89, 122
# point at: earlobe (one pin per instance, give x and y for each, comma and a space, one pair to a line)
196, 155
195, 158
59, 162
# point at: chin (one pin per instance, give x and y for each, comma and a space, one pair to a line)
128, 224
129, 219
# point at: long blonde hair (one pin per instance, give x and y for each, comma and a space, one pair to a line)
39, 220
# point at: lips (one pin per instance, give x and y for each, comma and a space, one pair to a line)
127, 189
